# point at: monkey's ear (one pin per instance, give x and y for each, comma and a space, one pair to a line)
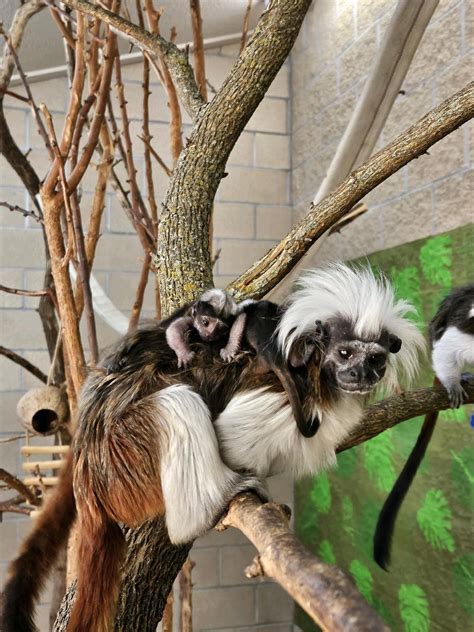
194, 309
394, 343
301, 351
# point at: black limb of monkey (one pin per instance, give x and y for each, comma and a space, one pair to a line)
256, 324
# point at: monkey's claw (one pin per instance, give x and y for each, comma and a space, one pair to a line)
185, 359
227, 354
456, 395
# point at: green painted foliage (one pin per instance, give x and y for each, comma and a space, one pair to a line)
321, 493
434, 520
365, 521
307, 524
348, 518
404, 438
414, 610
407, 285
463, 580
363, 579
462, 475
436, 260
346, 463
378, 460
456, 415
326, 553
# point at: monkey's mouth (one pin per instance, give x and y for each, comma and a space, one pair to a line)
356, 389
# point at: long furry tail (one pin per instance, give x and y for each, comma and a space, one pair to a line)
388, 516
307, 427
29, 571
101, 550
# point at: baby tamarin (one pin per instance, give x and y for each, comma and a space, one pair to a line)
216, 315
451, 335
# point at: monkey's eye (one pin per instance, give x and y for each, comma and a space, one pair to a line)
376, 360
205, 322
345, 353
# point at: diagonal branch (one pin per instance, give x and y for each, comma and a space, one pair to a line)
176, 59
436, 124
23, 362
324, 591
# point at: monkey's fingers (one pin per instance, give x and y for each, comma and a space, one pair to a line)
456, 395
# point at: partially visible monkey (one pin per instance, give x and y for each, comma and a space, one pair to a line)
147, 442
451, 335
256, 324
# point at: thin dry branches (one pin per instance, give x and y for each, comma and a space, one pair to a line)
14, 483
245, 27
23, 211
23, 362
198, 48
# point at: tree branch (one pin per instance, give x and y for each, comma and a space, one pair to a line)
324, 591
436, 124
23, 362
394, 410
176, 59
14, 483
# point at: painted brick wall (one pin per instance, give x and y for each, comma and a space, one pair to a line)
252, 212
330, 62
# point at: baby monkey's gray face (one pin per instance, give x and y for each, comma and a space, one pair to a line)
355, 365
208, 324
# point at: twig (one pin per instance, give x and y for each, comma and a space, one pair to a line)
15, 95
6, 507
245, 28
177, 60
138, 303
10, 439
14, 483
24, 212
275, 265
14, 290
34, 108
153, 152
198, 48
164, 74
56, 15
23, 362
167, 620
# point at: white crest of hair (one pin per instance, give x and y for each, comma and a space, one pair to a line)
197, 485
257, 433
223, 303
367, 302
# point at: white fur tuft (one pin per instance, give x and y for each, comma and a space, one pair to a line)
355, 294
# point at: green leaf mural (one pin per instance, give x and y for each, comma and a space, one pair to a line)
407, 285
462, 475
378, 455
348, 517
321, 493
436, 260
456, 415
404, 438
463, 579
366, 519
434, 520
326, 553
414, 610
346, 463
363, 579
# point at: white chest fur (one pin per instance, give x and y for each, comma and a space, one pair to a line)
257, 432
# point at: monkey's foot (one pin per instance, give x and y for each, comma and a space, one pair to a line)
185, 358
456, 395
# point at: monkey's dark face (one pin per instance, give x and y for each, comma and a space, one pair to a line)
208, 325
355, 365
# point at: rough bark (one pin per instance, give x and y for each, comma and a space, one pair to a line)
324, 591
275, 265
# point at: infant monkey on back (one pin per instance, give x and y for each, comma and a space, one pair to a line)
216, 316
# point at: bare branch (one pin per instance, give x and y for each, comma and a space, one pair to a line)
273, 267
24, 212
14, 290
245, 28
394, 410
176, 59
324, 591
140, 294
198, 48
153, 152
14, 483
26, 364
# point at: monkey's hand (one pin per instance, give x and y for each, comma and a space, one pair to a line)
456, 394
185, 357
228, 353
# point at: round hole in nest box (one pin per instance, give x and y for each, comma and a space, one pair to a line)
44, 420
